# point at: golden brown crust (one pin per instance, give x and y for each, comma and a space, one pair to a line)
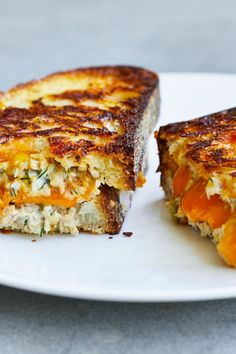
210, 140
72, 117
129, 74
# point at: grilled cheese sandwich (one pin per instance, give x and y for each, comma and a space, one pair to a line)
198, 174
71, 146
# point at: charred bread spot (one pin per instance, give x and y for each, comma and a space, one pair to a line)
78, 95
61, 146
128, 233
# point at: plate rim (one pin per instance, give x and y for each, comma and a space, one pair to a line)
129, 296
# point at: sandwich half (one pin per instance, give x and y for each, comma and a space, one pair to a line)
72, 149
198, 175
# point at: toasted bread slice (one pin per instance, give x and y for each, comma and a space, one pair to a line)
72, 142
198, 175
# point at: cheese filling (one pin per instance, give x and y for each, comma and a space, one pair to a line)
39, 195
201, 202
32, 179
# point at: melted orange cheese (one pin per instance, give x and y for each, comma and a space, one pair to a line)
198, 208
17, 151
141, 180
4, 201
180, 181
227, 243
90, 188
55, 198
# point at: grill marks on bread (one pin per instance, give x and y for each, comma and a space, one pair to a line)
210, 140
102, 114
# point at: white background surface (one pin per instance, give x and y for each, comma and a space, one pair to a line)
161, 261
37, 37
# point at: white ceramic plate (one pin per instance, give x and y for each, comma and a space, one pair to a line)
161, 261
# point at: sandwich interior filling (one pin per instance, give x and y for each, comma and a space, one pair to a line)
206, 208
39, 194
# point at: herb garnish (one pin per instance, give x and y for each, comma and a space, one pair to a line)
42, 231
12, 192
47, 181
27, 177
43, 172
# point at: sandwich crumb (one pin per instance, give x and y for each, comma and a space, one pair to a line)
34, 240
128, 234
5, 231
